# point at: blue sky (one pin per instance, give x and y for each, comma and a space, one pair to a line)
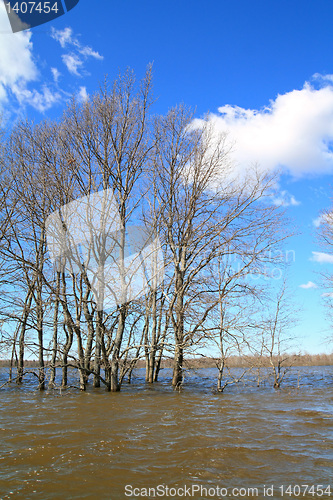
264, 70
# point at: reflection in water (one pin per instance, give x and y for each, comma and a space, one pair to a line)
91, 445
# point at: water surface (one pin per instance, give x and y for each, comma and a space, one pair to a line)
74, 445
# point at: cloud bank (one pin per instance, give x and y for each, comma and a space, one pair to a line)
18, 70
17, 66
22, 83
295, 131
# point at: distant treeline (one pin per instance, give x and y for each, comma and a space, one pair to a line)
233, 361
252, 361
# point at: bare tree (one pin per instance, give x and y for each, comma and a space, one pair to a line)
108, 145
277, 339
234, 318
205, 214
106, 156
325, 238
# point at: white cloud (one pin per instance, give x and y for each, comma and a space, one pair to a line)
89, 52
294, 131
82, 94
308, 285
18, 71
40, 100
318, 221
286, 199
323, 258
324, 219
17, 66
64, 36
73, 60
72, 63
323, 78
56, 74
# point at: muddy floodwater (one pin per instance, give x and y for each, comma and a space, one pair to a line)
192, 444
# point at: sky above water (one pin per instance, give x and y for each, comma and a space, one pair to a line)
263, 71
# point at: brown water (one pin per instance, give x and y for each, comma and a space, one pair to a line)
90, 446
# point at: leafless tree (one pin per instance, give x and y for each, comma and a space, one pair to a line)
325, 239
205, 214
107, 145
277, 340
161, 175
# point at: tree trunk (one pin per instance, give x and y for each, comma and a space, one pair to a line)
81, 359
64, 370
69, 336
115, 386
220, 367
158, 366
91, 333
20, 364
177, 378
55, 334
161, 341
41, 371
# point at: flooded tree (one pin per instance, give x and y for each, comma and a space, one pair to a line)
276, 339
325, 239
108, 146
25, 243
206, 214
127, 237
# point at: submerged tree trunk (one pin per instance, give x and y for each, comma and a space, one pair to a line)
40, 313
97, 358
69, 340
105, 356
161, 340
20, 364
177, 378
115, 386
55, 333
158, 366
26, 312
81, 359
91, 333
220, 366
